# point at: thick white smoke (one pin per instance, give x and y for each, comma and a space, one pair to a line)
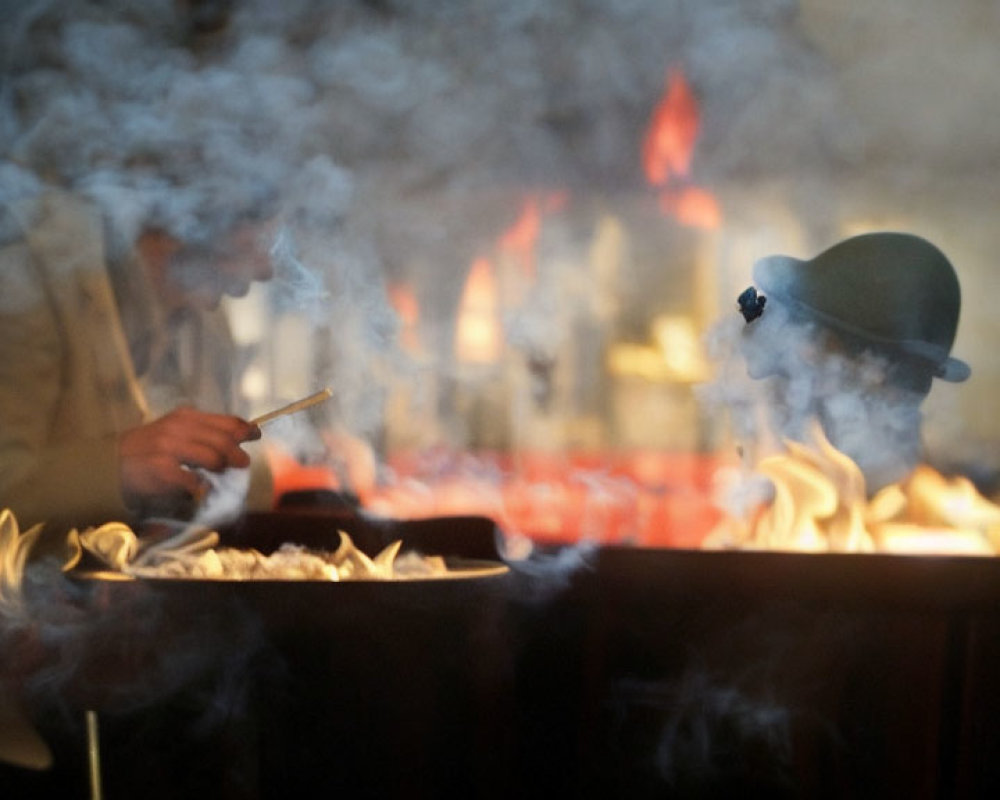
401, 137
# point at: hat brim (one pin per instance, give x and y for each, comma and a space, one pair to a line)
953, 370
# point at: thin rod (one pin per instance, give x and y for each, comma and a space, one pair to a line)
94, 755
291, 408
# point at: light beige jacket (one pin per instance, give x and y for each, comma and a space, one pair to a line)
67, 388
67, 382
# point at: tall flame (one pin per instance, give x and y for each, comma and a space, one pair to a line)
667, 153
673, 131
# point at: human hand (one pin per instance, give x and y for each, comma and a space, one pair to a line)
160, 459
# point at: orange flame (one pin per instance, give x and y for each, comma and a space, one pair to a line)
521, 238
820, 504
478, 337
667, 152
673, 131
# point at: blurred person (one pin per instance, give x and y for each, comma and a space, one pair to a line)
854, 338
94, 328
116, 400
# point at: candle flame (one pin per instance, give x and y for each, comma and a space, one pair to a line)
478, 337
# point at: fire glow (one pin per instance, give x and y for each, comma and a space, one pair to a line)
667, 154
820, 505
478, 329
478, 335
15, 545
403, 300
820, 502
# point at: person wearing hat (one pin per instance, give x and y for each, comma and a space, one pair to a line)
854, 337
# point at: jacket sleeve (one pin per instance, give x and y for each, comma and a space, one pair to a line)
69, 482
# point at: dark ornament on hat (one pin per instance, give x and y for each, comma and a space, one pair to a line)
751, 304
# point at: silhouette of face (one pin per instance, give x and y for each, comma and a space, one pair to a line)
199, 277
768, 342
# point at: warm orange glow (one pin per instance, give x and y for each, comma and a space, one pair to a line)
954, 502
478, 338
692, 206
521, 238
946, 510
404, 301
15, 547
803, 498
820, 504
673, 131
290, 475
649, 498
667, 153
676, 356
349, 465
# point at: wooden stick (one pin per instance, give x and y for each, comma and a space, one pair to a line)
94, 756
291, 408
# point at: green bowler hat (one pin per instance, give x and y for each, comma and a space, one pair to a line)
894, 290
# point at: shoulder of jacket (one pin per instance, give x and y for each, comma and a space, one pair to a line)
60, 209
67, 234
